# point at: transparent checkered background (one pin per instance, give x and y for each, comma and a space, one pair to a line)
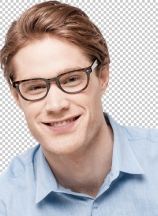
131, 32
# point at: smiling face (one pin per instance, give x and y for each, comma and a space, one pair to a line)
62, 123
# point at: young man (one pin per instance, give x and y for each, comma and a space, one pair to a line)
56, 63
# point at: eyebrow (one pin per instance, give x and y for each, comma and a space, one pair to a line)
59, 72
70, 69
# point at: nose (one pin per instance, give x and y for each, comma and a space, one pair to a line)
56, 99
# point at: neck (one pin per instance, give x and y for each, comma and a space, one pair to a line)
84, 171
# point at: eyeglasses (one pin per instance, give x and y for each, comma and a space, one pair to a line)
71, 82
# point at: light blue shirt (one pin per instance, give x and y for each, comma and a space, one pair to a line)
28, 187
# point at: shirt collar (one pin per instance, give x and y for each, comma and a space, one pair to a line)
46, 181
124, 158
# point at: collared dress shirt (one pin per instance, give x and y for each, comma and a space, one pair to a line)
29, 188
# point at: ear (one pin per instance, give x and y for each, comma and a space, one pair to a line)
15, 96
104, 79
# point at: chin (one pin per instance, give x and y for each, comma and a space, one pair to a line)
63, 145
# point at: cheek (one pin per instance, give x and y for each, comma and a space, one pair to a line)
90, 100
94, 95
95, 105
31, 115
31, 111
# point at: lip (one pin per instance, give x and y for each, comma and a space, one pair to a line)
64, 128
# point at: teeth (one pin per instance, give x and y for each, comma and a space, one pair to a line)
58, 124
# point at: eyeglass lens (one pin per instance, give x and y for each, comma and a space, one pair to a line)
70, 82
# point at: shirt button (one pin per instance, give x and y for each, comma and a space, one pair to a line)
95, 205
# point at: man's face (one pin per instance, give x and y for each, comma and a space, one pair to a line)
74, 119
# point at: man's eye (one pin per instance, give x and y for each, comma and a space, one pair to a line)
72, 79
37, 87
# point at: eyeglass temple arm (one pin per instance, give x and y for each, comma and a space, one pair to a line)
94, 65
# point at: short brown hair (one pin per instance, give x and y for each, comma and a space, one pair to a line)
58, 19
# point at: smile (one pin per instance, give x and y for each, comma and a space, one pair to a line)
62, 126
62, 123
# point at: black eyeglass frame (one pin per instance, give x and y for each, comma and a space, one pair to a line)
87, 70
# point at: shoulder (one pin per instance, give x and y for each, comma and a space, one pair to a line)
144, 143
18, 165
136, 133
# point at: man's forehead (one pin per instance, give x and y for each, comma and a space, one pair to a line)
48, 56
